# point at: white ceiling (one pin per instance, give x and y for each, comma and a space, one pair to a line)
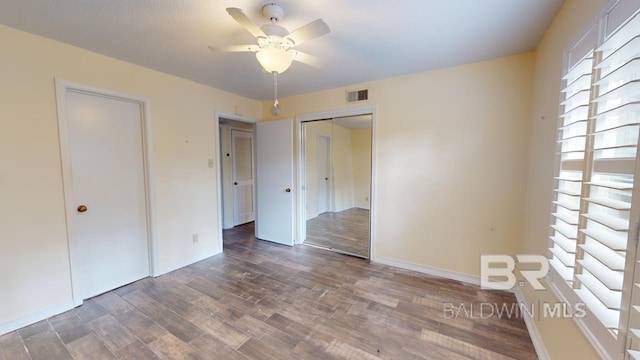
369, 39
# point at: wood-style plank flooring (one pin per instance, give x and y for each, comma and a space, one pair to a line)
346, 231
260, 300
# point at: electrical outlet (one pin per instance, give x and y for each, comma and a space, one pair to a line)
366, 198
196, 238
211, 163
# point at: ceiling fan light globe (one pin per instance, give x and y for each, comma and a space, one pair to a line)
274, 60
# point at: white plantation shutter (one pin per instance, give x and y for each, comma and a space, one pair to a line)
618, 124
593, 234
608, 192
572, 136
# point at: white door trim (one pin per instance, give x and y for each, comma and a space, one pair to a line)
217, 143
62, 87
301, 213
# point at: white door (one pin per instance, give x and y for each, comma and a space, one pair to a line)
274, 157
323, 173
110, 247
242, 176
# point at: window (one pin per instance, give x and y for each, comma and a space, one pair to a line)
593, 234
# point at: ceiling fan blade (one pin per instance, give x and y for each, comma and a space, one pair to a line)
307, 59
243, 20
310, 31
235, 48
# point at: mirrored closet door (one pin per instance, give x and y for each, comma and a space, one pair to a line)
337, 177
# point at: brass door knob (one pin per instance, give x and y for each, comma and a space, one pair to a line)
287, 190
82, 208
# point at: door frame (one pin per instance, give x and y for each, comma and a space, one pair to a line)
62, 87
300, 178
218, 162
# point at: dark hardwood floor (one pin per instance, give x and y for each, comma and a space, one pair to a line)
346, 231
260, 300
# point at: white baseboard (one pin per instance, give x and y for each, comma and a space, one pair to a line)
34, 318
443, 273
188, 262
536, 339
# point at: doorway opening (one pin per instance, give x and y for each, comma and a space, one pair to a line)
336, 176
237, 170
272, 198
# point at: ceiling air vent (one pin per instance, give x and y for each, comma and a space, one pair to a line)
357, 95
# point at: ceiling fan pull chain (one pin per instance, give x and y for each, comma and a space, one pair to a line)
276, 107
275, 85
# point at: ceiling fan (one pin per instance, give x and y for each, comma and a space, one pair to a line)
275, 44
275, 49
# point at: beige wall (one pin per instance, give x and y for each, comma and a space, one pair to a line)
34, 264
450, 160
361, 150
572, 19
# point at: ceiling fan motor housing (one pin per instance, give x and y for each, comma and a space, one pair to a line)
273, 12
